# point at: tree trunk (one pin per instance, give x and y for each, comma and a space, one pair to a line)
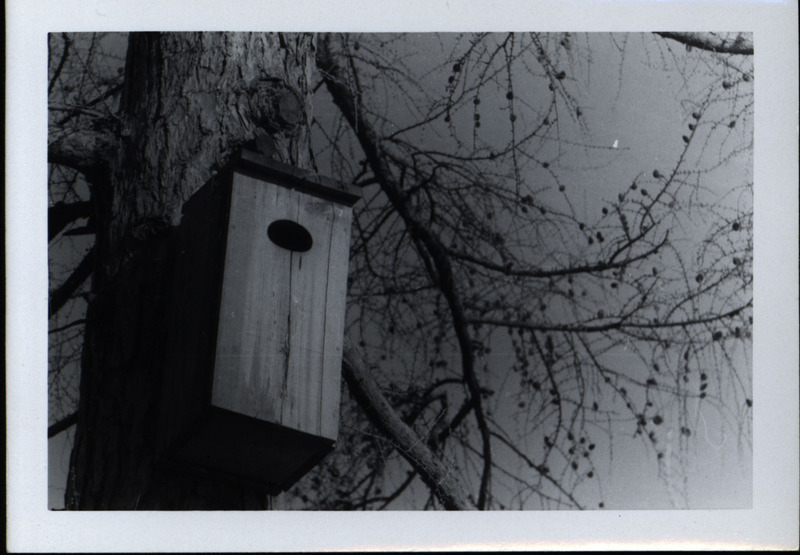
189, 102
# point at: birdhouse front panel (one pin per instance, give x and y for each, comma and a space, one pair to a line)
281, 318
253, 363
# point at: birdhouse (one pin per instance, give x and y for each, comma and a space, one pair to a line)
253, 364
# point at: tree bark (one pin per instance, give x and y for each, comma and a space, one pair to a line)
189, 102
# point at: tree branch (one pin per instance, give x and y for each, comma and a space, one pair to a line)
62, 425
87, 149
431, 250
442, 481
62, 214
62, 294
741, 44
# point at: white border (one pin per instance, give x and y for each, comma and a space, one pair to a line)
772, 523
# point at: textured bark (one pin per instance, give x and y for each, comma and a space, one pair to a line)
189, 102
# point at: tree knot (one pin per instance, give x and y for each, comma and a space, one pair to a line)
274, 106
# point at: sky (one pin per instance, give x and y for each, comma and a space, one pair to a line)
771, 522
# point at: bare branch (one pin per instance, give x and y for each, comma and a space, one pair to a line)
62, 61
62, 294
62, 425
740, 44
430, 248
61, 214
443, 481
86, 149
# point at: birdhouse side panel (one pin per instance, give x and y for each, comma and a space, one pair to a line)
336, 301
192, 327
253, 338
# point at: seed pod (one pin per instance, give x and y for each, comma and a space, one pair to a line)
656, 174
510, 95
658, 420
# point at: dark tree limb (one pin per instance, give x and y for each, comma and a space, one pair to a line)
430, 248
61, 214
442, 480
740, 44
62, 425
86, 150
60, 296
61, 62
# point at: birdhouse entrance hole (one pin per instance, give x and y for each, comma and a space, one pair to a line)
290, 235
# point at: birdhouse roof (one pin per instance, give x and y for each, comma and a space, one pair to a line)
262, 167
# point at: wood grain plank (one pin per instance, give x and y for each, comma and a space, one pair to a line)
336, 296
307, 322
251, 342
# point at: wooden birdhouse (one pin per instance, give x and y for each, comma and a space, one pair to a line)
251, 386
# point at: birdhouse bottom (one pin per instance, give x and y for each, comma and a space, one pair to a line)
251, 450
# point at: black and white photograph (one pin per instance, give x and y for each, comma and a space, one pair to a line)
295, 277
